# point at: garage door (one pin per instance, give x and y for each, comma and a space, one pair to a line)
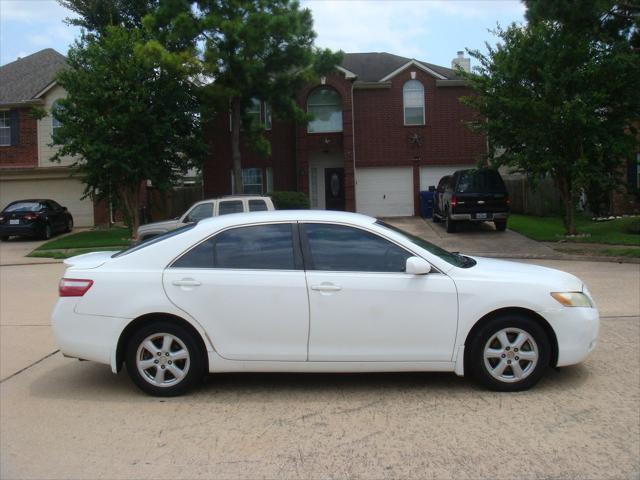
431, 174
65, 191
385, 192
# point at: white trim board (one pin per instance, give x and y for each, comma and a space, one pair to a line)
416, 64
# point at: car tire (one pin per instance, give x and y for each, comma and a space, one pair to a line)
145, 366
69, 226
4, 238
498, 347
47, 233
501, 225
450, 225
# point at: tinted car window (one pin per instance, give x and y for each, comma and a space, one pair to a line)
201, 256
230, 206
480, 181
24, 207
256, 247
204, 210
257, 205
346, 249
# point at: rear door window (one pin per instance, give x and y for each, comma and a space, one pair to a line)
257, 205
255, 247
230, 206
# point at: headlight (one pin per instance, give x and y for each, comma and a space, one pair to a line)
572, 299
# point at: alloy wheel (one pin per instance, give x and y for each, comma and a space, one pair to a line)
163, 360
511, 355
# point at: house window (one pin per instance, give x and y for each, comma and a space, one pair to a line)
5, 129
267, 116
255, 112
269, 179
252, 181
55, 123
413, 100
325, 105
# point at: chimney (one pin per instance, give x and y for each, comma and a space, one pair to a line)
461, 61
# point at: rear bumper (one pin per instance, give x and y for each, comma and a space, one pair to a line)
89, 337
576, 330
30, 230
469, 217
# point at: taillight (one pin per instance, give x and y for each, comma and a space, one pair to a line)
74, 287
454, 202
31, 216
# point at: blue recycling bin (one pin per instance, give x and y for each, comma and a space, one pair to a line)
426, 204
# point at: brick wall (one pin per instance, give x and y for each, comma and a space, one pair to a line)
25, 154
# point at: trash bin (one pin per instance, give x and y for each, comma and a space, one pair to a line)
426, 204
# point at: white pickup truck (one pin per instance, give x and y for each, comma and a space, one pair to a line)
205, 209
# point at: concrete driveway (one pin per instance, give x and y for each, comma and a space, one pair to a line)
475, 239
60, 418
15, 251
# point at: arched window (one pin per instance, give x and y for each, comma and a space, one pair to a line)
326, 106
413, 99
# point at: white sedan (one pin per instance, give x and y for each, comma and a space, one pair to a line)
316, 291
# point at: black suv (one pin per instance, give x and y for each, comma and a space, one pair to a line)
475, 195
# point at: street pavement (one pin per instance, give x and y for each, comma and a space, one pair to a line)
61, 418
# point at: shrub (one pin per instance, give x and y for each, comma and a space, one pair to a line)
290, 200
634, 227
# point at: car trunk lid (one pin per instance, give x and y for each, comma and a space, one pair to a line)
89, 260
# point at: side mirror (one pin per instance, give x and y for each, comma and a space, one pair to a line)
417, 266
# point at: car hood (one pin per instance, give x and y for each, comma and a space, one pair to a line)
164, 225
526, 273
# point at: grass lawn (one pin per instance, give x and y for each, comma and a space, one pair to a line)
83, 242
551, 229
115, 237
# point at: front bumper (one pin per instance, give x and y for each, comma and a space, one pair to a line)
469, 217
576, 330
89, 337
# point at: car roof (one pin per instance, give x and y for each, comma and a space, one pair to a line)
286, 216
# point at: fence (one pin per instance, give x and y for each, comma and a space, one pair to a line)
172, 204
543, 200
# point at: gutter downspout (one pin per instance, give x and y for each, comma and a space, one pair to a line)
353, 151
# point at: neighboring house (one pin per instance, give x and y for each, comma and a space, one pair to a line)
26, 170
385, 128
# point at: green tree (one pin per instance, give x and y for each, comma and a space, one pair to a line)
127, 119
559, 96
249, 49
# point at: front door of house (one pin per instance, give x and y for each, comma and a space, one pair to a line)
334, 188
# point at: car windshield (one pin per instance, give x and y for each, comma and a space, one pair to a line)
454, 259
24, 207
139, 246
480, 181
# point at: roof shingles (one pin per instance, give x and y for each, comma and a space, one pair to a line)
22, 80
372, 67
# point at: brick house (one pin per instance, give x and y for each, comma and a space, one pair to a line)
385, 128
26, 170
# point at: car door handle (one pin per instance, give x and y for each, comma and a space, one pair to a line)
186, 282
326, 287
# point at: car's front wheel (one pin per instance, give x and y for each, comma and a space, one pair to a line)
164, 359
509, 353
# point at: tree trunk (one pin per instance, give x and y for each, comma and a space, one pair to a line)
235, 146
569, 200
130, 199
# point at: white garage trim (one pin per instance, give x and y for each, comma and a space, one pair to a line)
385, 191
431, 174
55, 186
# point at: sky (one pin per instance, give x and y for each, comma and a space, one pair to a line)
428, 30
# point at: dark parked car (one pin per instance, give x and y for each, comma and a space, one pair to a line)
34, 218
475, 195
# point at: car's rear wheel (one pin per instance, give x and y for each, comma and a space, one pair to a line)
69, 226
164, 359
501, 225
509, 353
47, 232
450, 225
4, 238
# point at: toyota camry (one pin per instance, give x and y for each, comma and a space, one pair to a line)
316, 291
